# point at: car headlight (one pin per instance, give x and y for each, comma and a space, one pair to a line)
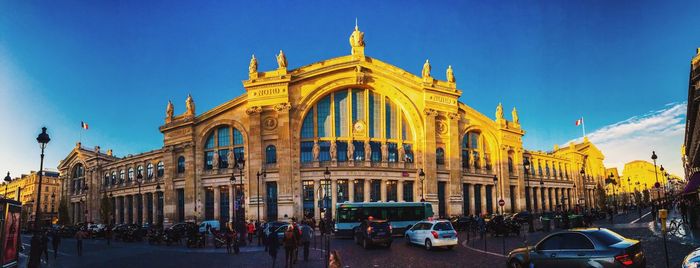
690, 265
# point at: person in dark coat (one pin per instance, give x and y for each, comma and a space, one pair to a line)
290, 245
55, 241
45, 246
273, 244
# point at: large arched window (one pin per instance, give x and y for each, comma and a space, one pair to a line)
105, 181
440, 156
220, 142
270, 154
356, 116
114, 177
181, 164
121, 176
475, 151
160, 169
77, 178
130, 175
149, 171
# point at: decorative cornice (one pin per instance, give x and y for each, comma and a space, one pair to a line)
283, 107
253, 110
453, 116
430, 112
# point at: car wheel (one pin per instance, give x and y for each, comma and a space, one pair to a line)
357, 239
450, 247
428, 244
515, 264
365, 245
408, 240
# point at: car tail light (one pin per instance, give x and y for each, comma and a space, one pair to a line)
390, 228
434, 234
625, 259
369, 230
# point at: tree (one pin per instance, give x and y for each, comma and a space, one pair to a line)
637, 197
646, 198
105, 208
63, 214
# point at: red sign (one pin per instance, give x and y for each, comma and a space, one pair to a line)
501, 202
404, 174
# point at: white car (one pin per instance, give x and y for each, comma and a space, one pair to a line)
436, 233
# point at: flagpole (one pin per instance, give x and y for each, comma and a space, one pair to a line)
583, 125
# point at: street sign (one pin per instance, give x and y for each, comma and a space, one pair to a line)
501, 202
657, 185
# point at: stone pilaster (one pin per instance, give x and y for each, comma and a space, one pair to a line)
453, 152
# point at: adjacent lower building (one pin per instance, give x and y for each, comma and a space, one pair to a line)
351, 128
25, 190
691, 145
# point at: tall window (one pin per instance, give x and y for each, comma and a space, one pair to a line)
354, 115
161, 169
218, 144
391, 191
130, 174
114, 177
121, 176
149, 171
78, 177
408, 191
270, 154
342, 191
473, 149
510, 164
375, 191
181, 164
139, 170
440, 156
359, 188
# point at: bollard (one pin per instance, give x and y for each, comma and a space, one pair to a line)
663, 214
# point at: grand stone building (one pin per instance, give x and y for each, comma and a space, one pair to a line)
373, 126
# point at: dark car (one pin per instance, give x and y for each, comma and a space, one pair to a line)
128, 232
463, 223
521, 217
501, 225
592, 247
181, 229
373, 232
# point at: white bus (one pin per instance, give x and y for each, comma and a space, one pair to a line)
401, 215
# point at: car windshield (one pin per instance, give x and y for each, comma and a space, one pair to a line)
442, 226
606, 237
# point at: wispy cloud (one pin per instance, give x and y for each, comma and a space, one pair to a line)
634, 139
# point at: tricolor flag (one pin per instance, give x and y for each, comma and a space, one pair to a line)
579, 122
83, 125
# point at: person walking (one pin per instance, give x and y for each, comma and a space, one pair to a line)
273, 244
55, 241
229, 241
45, 246
290, 243
297, 234
334, 261
79, 236
306, 236
251, 230
108, 234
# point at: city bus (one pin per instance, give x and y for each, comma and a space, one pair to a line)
401, 215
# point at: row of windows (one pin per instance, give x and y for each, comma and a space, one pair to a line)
342, 190
358, 152
554, 172
130, 174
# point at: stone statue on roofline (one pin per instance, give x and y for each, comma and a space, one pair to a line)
426, 69
169, 110
253, 66
281, 60
189, 103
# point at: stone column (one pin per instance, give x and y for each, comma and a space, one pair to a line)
254, 162
351, 190
455, 202
144, 207
230, 203
288, 166
318, 194
471, 196
367, 185
427, 155
334, 195
383, 190
217, 201
483, 198
546, 199
135, 203
399, 191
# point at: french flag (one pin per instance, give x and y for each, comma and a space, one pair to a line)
83, 125
579, 121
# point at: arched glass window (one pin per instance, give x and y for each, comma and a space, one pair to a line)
78, 178
161, 169
440, 156
114, 177
510, 164
130, 175
546, 168
181, 164
475, 151
270, 154
105, 181
139, 170
149, 171
354, 115
121, 176
219, 143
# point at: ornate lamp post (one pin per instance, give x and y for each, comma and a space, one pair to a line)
628, 191
421, 177
654, 157
583, 189
526, 167
658, 187
495, 183
8, 179
264, 175
35, 253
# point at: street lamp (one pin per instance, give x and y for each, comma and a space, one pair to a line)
654, 157
8, 179
526, 167
583, 183
495, 183
264, 174
421, 177
35, 253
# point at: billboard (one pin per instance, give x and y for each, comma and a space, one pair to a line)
10, 211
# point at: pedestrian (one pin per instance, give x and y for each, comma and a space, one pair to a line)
297, 236
55, 241
108, 234
229, 241
79, 236
251, 230
334, 261
306, 235
45, 246
236, 245
290, 243
273, 244
258, 232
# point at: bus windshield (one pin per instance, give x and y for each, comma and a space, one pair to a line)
357, 214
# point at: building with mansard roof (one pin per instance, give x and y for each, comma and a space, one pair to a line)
372, 125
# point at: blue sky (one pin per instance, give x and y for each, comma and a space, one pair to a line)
116, 64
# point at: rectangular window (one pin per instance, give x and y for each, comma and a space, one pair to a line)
223, 158
376, 151
209, 204
393, 152
308, 197
477, 199
307, 151
237, 137
342, 191
512, 199
223, 205
224, 136
408, 153
375, 115
391, 191
307, 127
489, 199
342, 149
208, 157
239, 153
466, 199
324, 117
341, 113
390, 119
408, 191
325, 151
359, 150
359, 190
375, 191
358, 105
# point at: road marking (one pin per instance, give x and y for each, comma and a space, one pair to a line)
635, 221
464, 244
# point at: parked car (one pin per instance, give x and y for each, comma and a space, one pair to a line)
179, 230
521, 217
591, 247
430, 234
373, 232
501, 225
463, 223
216, 225
272, 226
692, 260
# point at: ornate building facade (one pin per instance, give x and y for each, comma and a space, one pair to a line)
24, 189
372, 127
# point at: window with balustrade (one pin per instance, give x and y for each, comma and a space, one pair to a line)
357, 116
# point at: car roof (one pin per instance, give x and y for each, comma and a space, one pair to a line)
433, 221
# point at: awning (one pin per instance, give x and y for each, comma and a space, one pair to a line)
693, 183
